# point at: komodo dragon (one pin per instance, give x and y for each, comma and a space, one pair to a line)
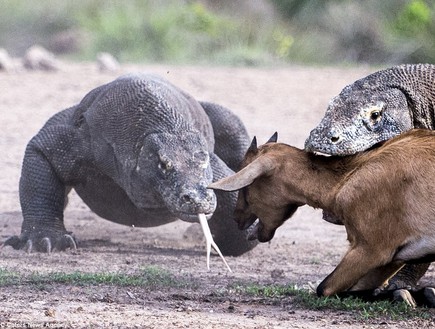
372, 110
138, 151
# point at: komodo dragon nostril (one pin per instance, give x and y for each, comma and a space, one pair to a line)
335, 139
334, 136
187, 197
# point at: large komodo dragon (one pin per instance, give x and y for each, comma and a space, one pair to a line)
372, 110
138, 151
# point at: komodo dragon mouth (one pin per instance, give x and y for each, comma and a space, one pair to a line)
189, 217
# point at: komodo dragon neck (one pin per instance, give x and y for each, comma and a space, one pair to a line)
417, 82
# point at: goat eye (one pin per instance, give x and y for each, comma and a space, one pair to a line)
375, 115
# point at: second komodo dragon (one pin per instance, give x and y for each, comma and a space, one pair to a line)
138, 151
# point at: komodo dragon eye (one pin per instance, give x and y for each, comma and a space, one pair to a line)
202, 157
165, 164
375, 115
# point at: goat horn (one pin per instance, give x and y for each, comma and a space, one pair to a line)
273, 138
253, 147
246, 176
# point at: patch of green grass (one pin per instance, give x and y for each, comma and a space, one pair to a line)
151, 277
307, 299
365, 310
8, 277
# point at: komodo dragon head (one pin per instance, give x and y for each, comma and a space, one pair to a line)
178, 169
376, 108
360, 117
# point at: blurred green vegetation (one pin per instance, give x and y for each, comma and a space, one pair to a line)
242, 32
369, 31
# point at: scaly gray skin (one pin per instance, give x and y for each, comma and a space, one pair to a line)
138, 151
372, 110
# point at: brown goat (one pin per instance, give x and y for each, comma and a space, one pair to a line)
384, 197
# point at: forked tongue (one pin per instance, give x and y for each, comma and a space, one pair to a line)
209, 241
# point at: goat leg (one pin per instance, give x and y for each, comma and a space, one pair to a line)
355, 265
378, 277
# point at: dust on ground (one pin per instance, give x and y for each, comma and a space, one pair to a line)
290, 100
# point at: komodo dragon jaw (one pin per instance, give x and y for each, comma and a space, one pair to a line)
194, 202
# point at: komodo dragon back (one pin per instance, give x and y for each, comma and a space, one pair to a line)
375, 109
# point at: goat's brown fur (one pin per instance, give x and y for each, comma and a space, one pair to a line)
382, 196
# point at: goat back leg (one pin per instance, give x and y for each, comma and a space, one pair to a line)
355, 265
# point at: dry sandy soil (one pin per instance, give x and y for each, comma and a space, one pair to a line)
290, 100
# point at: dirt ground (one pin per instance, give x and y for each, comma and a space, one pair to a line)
290, 100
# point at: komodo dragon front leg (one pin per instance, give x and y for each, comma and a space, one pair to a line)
43, 190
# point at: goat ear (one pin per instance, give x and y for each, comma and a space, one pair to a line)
259, 167
274, 138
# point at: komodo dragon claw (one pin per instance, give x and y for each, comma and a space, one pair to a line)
70, 241
416, 296
28, 246
45, 244
403, 295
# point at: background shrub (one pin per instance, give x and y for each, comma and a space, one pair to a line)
243, 32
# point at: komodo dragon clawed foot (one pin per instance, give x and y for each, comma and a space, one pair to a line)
42, 242
413, 296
